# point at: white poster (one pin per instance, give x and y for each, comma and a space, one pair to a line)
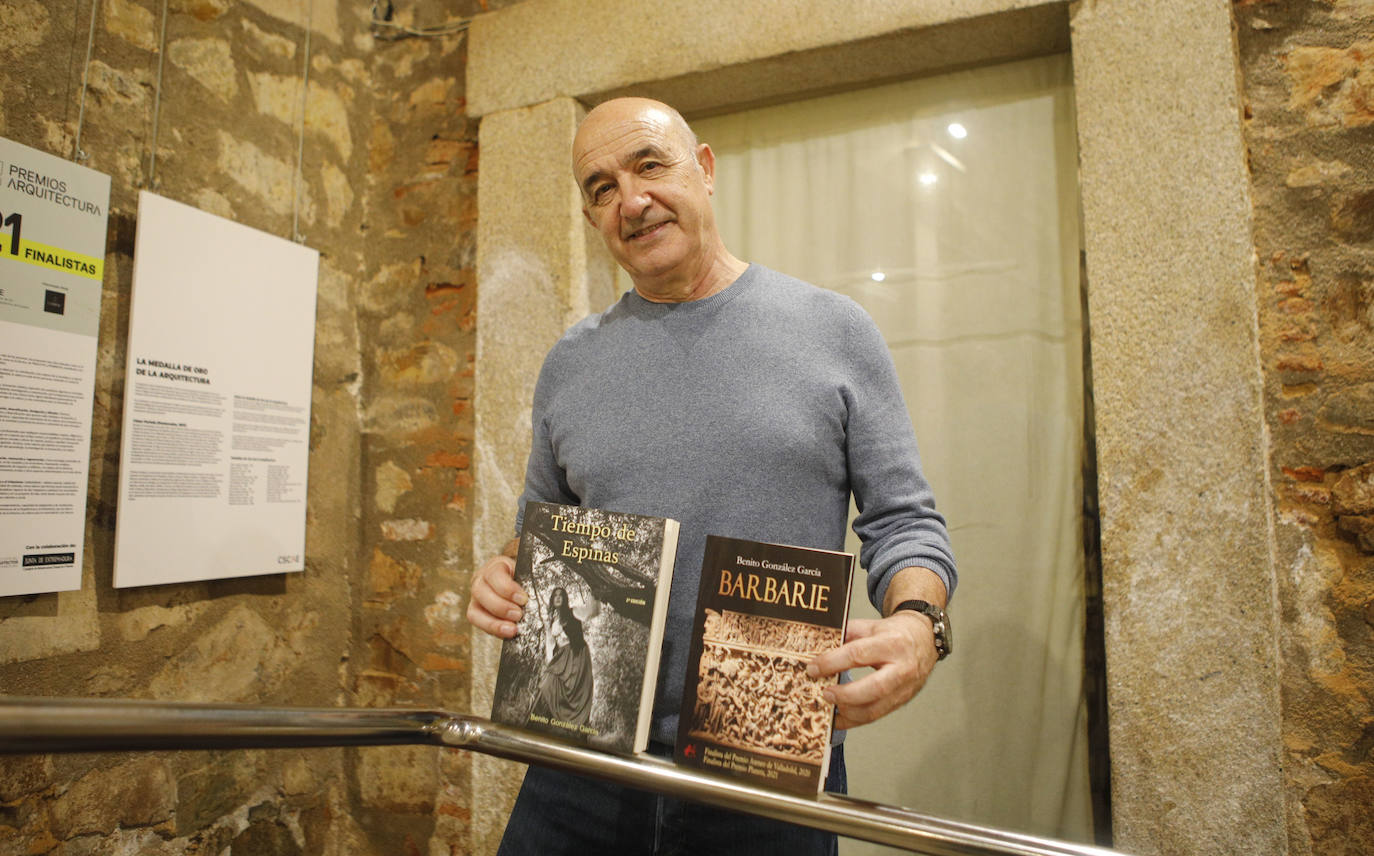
52, 261
212, 472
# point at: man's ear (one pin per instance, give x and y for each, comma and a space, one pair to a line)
706, 160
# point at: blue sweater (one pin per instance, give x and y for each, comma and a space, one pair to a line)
752, 413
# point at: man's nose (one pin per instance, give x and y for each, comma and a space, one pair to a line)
634, 199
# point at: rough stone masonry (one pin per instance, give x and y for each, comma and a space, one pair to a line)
1308, 76
290, 117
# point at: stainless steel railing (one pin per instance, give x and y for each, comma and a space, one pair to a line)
40, 725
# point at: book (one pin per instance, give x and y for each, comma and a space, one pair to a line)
583, 664
748, 709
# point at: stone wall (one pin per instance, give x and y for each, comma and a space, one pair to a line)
379, 174
416, 316
1308, 73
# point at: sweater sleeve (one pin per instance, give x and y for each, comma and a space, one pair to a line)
897, 521
545, 480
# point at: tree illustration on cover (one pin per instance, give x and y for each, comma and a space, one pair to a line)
620, 584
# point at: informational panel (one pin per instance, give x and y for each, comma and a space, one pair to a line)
212, 475
52, 259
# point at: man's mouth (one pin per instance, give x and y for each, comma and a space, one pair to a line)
646, 230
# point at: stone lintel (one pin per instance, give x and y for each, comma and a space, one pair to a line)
704, 63
901, 55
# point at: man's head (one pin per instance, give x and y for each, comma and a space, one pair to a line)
646, 186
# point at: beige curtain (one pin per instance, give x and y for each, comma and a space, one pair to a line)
948, 208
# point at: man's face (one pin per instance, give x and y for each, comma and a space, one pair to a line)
645, 189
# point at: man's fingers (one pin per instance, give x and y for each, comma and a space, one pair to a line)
856, 715
499, 573
496, 600
901, 651
863, 650
488, 623
873, 696
858, 628
867, 707
889, 682
836, 660
493, 603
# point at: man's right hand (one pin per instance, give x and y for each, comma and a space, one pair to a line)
497, 600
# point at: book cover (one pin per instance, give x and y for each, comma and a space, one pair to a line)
748, 709
584, 661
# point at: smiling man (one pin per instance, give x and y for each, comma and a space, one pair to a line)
741, 402
646, 184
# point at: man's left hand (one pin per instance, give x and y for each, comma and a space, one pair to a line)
901, 650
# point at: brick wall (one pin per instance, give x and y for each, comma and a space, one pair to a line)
416, 320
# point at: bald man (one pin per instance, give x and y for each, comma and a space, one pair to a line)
741, 402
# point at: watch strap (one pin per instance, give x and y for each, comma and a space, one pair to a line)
944, 641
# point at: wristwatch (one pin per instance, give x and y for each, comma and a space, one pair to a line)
944, 639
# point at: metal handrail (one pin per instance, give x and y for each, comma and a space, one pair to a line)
40, 725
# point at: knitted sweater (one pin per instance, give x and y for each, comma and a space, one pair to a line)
752, 413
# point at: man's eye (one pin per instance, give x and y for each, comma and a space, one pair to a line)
600, 192
650, 166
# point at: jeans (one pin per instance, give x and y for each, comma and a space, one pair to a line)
561, 813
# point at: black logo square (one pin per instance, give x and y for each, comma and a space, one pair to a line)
55, 302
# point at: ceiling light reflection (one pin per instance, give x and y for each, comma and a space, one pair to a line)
929, 178
879, 276
957, 131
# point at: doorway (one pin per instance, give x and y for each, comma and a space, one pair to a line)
948, 208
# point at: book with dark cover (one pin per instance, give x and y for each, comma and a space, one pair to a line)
584, 661
748, 709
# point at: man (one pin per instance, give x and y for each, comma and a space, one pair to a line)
743, 403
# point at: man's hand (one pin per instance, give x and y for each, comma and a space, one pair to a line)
497, 600
900, 649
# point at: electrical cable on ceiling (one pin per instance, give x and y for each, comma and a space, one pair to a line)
385, 29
